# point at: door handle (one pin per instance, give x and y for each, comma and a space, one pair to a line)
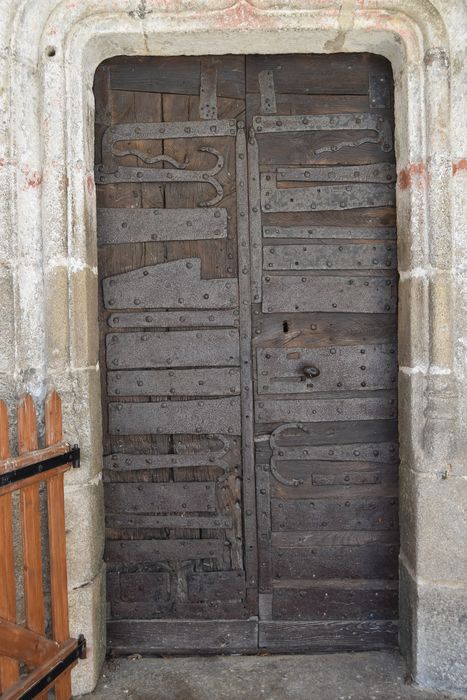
311, 372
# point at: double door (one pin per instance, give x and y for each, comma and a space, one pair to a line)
247, 261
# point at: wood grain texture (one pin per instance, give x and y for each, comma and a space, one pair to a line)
326, 601
9, 670
326, 293
333, 636
30, 523
57, 540
328, 289
25, 645
179, 637
173, 531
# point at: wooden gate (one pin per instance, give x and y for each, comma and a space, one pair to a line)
33, 662
247, 256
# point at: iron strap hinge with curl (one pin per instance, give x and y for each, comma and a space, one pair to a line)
363, 121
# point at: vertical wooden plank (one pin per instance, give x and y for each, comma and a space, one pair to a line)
30, 523
8, 667
57, 542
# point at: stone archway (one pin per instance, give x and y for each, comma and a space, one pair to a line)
50, 50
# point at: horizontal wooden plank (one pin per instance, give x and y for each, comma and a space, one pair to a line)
326, 602
328, 409
32, 457
23, 687
300, 148
176, 75
350, 367
161, 609
310, 636
206, 416
374, 560
376, 217
150, 350
213, 610
176, 284
335, 514
212, 585
173, 319
316, 256
311, 330
148, 609
315, 73
175, 382
178, 497
352, 294
142, 585
25, 645
149, 551
309, 104
123, 225
181, 636
170, 522
330, 434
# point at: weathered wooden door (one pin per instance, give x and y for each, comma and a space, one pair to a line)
247, 303
321, 174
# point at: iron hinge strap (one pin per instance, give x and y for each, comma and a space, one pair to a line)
79, 652
71, 457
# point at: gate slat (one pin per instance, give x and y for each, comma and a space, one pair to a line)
57, 543
31, 525
9, 672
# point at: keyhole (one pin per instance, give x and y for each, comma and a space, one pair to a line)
285, 327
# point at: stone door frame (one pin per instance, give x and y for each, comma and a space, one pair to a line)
49, 50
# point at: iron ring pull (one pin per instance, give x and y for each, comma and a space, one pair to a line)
311, 372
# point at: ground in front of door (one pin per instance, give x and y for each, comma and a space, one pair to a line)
357, 676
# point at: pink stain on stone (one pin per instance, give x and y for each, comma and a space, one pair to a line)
459, 165
406, 175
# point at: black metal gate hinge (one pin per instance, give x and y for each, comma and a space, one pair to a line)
71, 457
79, 652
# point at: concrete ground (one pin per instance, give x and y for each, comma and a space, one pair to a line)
362, 676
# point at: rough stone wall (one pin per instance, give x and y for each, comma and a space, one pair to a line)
49, 50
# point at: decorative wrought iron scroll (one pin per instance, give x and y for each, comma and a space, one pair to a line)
331, 122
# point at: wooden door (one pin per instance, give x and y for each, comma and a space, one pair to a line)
178, 426
322, 224
248, 327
